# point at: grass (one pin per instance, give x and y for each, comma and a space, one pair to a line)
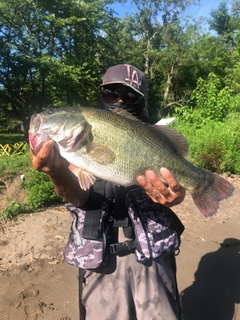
14, 165
39, 189
11, 138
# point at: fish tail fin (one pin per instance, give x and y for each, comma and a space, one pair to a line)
217, 190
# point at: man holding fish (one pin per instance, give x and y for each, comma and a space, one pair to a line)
122, 276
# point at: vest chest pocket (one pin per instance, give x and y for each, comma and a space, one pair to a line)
88, 238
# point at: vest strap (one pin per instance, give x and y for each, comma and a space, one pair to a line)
91, 224
121, 247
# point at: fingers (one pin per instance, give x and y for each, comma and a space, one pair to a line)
167, 193
152, 184
45, 150
172, 183
43, 155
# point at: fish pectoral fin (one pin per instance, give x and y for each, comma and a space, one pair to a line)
85, 179
100, 153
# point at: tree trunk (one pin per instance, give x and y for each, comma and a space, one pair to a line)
168, 84
146, 71
26, 128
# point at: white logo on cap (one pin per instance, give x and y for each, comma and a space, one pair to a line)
133, 77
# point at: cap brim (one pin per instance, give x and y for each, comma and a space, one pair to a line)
125, 84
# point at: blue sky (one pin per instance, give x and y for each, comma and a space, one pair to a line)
204, 9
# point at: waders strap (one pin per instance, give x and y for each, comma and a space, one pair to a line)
82, 309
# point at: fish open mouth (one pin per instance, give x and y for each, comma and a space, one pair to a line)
69, 140
36, 136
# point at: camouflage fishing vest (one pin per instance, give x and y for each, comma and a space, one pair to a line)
152, 229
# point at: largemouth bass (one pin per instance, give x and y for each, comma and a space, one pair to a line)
115, 148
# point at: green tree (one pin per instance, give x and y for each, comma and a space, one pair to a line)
49, 54
175, 65
223, 23
147, 24
212, 101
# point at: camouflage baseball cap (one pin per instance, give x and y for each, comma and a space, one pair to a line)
127, 75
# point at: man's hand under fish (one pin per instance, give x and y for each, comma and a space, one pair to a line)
66, 185
48, 160
170, 193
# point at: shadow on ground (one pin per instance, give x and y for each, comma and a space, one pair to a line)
215, 292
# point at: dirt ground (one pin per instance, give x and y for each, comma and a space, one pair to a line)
35, 283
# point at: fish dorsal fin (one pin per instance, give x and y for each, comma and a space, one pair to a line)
85, 179
100, 153
178, 141
124, 113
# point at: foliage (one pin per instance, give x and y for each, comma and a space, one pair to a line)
50, 54
232, 75
12, 166
221, 20
235, 103
215, 145
10, 125
54, 53
11, 138
13, 209
148, 24
40, 191
211, 102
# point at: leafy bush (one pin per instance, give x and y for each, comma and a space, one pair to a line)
235, 103
210, 103
40, 190
14, 208
212, 127
215, 145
